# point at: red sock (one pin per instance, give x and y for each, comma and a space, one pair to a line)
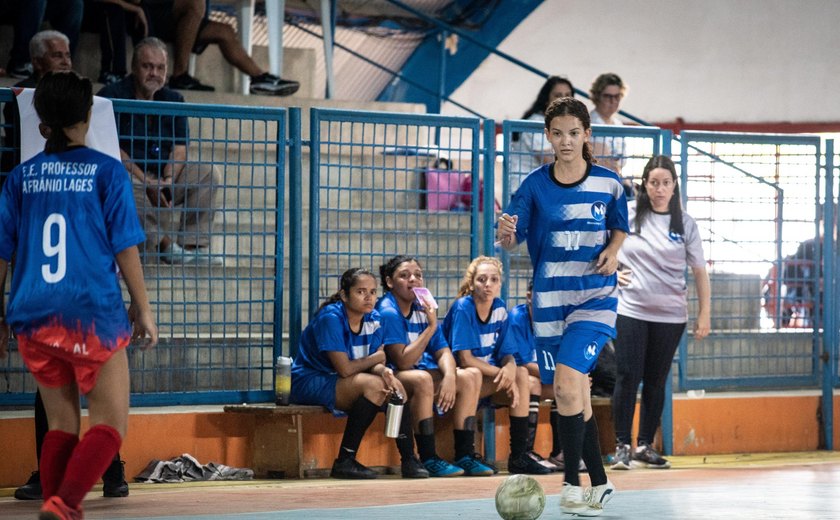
90, 459
55, 452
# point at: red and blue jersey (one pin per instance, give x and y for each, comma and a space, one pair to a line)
63, 218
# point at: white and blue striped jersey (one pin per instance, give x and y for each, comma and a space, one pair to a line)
329, 331
399, 329
567, 226
463, 329
518, 336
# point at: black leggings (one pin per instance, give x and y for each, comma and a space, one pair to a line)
644, 351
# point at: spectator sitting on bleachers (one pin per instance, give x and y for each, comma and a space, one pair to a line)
606, 93
64, 16
154, 149
473, 327
186, 24
341, 365
531, 149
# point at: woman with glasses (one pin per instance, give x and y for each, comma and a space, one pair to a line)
606, 93
652, 308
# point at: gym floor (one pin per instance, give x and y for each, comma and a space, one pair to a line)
746, 486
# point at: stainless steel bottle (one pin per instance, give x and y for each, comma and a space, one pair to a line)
393, 416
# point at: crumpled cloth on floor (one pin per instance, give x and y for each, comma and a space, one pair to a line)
187, 469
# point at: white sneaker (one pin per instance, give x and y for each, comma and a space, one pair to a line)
598, 496
573, 502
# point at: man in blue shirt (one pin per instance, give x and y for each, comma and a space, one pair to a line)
154, 149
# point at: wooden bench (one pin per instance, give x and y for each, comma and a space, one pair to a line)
278, 437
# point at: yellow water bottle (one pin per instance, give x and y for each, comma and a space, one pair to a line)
282, 380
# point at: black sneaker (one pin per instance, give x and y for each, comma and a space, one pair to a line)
413, 468
113, 481
272, 85
479, 458
32, 489
20, 72
622, 457
186, 82
351, 469
646, 457
527, 465
108, 78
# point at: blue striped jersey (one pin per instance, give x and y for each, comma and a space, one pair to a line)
518, 336
399, 329
65, 217
566, 227
329, 331
463, 329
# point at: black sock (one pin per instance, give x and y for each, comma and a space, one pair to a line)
556, 442
518, 436
572, 432
592, 453
464, 443
405, 439
533, 419
359, 418
426, 439
41, 424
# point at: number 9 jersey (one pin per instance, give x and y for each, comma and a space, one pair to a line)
63, 218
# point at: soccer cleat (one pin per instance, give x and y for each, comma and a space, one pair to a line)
270, 84
473, 466
646, 457
351, 469
186, 82
542, 461
598, 496
113, 481
524, 464
413, 468
54, 508
622, 457
32, 489
437, 467
573, 502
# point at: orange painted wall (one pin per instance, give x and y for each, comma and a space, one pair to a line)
748, 423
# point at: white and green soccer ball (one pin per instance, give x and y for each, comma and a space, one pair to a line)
520, 497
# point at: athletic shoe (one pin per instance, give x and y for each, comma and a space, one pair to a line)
598, 496
473, 466
351, 469
32, 489
573, 502
186, 82
273, 85
479, 458
54, 508
544, 462
19, 71
524, 464
413, 468
113, 481
107, 78
437, 467
557, 460
646, 457
622, 457
177, 255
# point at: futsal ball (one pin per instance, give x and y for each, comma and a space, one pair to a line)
520, 497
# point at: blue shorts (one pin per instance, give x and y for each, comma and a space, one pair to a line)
578, 348
315, 388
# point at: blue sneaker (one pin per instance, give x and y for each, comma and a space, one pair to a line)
437, 467
473, 467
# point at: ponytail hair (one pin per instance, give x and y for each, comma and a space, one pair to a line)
571, 107
348, 280
469, 275
62, 99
